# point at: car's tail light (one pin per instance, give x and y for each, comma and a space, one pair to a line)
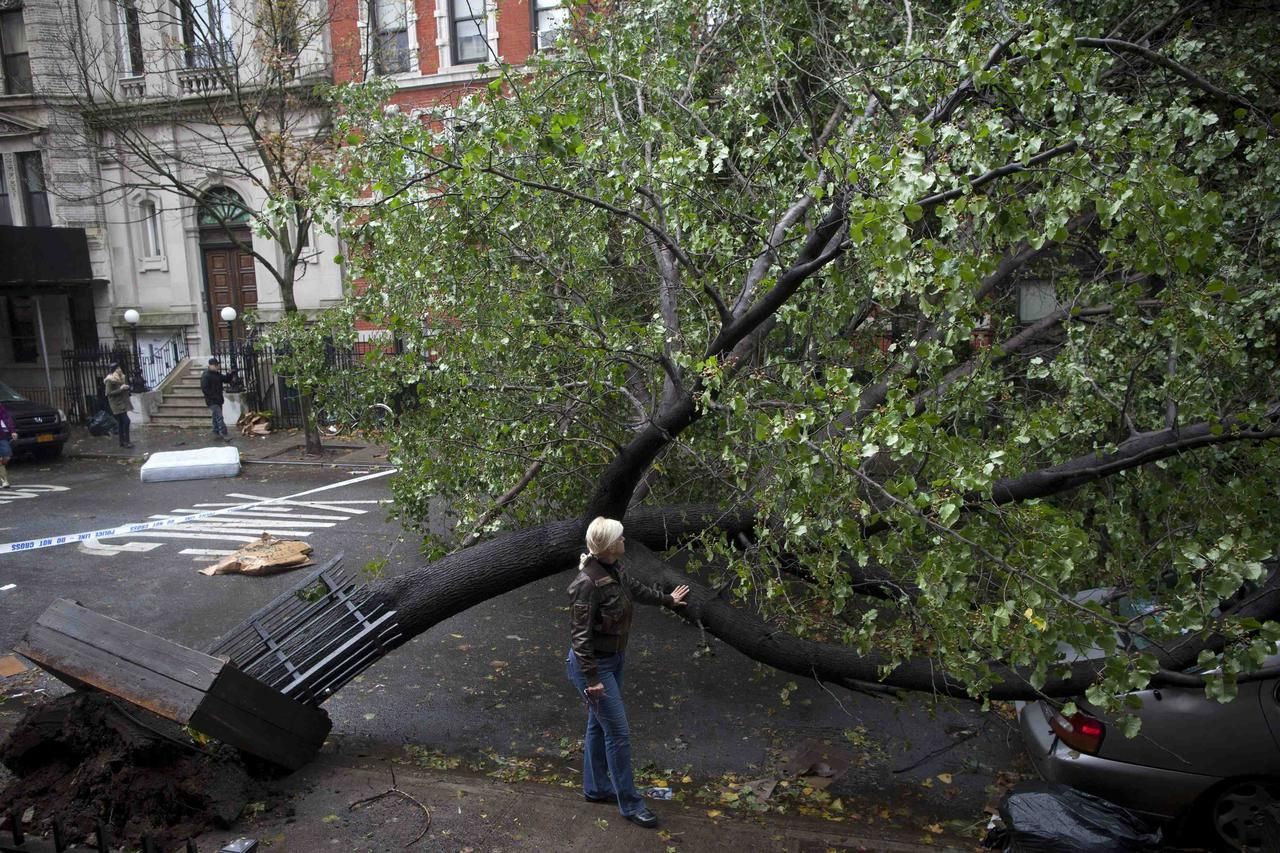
1079, 731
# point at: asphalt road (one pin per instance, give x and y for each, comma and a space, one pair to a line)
489, 680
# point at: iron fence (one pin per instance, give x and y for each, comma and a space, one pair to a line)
255, 363
83, 370
253, 360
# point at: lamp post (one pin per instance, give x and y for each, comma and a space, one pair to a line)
228, 315
136, 383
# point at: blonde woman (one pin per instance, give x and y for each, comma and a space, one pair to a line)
601, 599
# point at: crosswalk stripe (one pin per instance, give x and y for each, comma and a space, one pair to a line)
164, 534
325, 507
217, 528
255, 521
121, 531
259, 513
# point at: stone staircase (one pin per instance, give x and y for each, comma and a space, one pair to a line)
183, 404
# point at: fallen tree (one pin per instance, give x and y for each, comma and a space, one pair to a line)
943, 316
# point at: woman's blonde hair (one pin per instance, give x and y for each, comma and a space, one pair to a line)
601, 533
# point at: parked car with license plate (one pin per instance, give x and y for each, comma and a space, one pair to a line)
42, 429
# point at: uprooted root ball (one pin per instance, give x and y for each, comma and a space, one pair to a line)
87, 756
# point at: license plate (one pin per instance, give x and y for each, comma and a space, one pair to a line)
47, 436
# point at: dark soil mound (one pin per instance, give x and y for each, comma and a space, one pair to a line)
87, 756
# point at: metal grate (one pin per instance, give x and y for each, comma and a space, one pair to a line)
307, 647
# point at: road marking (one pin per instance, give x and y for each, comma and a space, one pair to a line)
284, 512
220, 529
204, 555
28, 491
255, 520
7, 587
165, 534
139, 528
326, 507
93, 546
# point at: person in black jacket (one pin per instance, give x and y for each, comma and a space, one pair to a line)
600, 600
118, 396
211, 386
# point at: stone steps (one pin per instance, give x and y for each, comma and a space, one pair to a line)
183, 404
176, 421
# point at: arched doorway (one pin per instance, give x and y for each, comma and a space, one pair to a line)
225, 240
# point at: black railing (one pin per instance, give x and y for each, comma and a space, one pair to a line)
159, 360
253, 361
83, 370
266, 389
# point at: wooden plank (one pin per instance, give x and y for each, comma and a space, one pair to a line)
188, 666
290, 739
81, 662
270, 705
231, 726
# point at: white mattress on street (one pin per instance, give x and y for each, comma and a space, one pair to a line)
202, 464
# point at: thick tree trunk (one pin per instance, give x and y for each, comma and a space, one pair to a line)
434, 592
448, 586
310, 431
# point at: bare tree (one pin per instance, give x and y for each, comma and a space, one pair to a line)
180, 96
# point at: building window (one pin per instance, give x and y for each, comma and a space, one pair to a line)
6, 215
280, 21
35, 198
129, 38
1036, 300
207, 28
22, 329
15, 62
389, 23
470, 26
549, 20
222, 206
152, 247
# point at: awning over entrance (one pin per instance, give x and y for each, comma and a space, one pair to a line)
39, 264
53, 257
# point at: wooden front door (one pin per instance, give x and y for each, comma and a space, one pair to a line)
229, 280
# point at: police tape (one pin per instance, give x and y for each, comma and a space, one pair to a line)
113, 532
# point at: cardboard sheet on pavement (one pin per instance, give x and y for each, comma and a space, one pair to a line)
11, 665
267, 556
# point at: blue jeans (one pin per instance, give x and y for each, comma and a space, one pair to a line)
219, 426
606, 751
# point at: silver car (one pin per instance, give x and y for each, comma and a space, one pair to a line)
1214, 767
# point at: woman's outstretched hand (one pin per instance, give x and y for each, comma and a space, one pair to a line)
678, 595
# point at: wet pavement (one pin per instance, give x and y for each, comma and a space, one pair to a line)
481, 700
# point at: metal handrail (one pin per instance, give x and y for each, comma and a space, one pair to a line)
159, 360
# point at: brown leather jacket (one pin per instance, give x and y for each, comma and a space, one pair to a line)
600, 608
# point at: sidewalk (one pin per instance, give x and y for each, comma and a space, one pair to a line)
283, 446
319, 808
471, 813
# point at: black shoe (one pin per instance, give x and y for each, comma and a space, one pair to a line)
607, 798
644, 818
127, 445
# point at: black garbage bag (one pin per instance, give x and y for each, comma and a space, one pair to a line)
1045, 817
102, 423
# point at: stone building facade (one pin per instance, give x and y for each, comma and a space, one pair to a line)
128, 121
